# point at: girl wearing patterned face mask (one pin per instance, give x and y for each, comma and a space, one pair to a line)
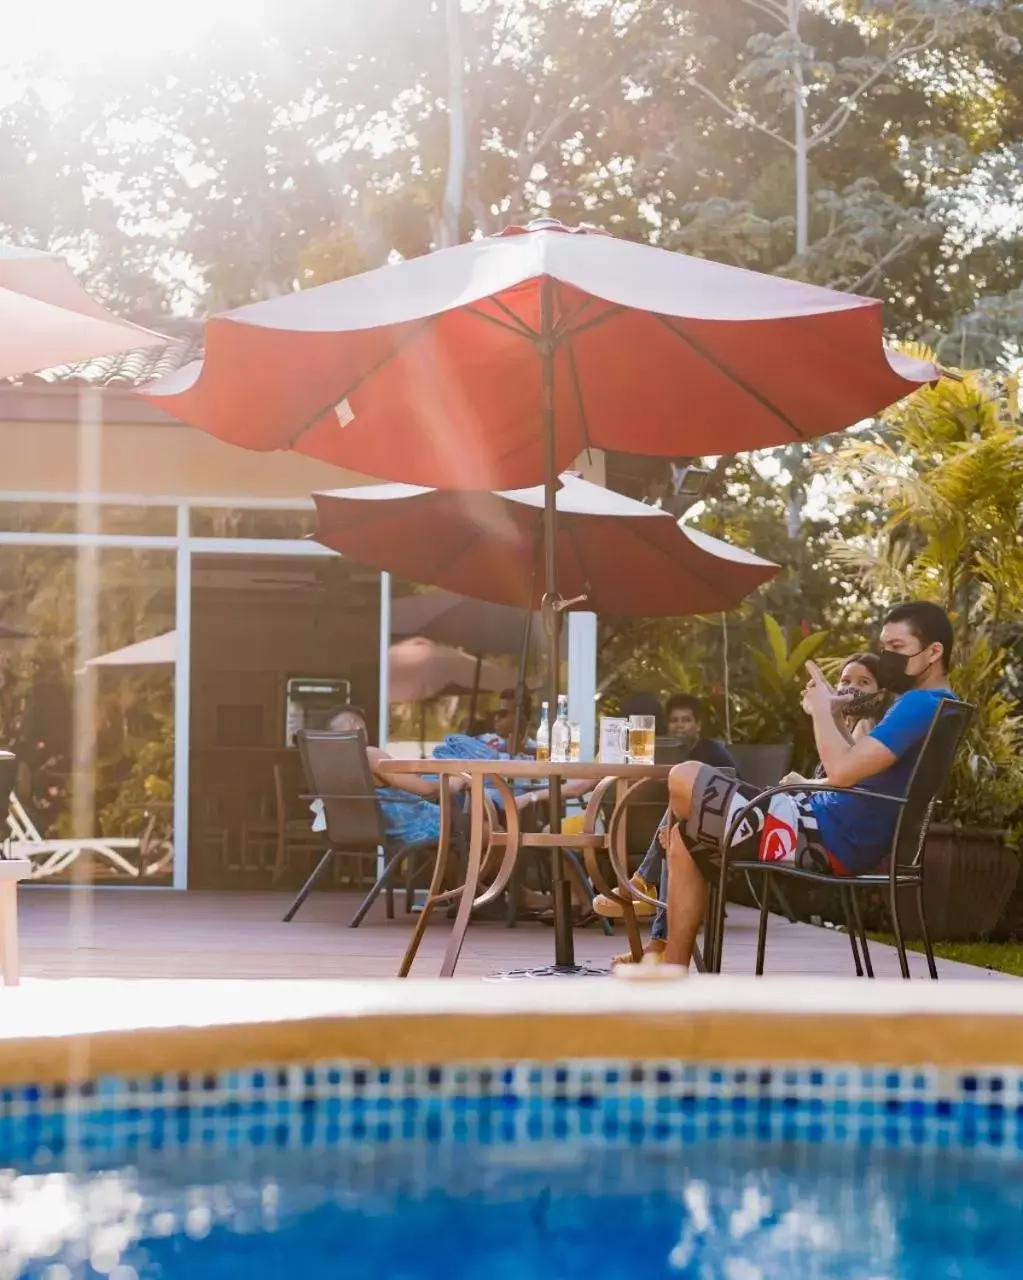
864, 702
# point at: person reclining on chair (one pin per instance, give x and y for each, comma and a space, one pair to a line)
840, 834
409, 804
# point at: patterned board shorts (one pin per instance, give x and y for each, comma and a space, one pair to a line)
782, 828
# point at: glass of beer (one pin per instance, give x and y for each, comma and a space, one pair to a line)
642, 731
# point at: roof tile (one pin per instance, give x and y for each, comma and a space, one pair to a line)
133, 368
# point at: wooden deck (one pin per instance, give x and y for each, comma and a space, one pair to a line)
152, 933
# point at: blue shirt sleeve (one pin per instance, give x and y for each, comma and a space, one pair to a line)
907, 722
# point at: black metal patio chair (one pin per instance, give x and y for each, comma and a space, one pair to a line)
905, 864
337, 773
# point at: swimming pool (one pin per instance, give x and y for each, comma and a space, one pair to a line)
595, 1168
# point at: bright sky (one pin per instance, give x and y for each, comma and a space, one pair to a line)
73, 32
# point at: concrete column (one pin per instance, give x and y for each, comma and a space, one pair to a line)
582, 678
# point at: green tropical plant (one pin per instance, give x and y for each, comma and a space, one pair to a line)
768, 708
946, 471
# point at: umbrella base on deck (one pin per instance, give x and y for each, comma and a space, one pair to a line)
549, 971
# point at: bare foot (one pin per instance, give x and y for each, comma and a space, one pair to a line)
653, 953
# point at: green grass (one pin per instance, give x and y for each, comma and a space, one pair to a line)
1007, 957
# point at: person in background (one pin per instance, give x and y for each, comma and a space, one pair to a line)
410, 804
684, 715
844, 832
504, 725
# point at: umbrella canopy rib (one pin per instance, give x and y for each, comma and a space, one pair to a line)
694, 345
406, 340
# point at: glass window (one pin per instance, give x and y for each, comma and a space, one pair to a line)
62, 517
129, 787
234, 522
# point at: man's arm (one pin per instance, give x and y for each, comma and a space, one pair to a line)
846, 763
409, 782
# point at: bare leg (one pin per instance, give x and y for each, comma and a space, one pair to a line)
687, 889
687, 902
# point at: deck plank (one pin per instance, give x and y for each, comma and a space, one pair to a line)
148, 933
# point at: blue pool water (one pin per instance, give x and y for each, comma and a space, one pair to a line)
737, 1211
586, 1170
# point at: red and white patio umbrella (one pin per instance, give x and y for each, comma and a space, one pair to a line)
494, 364
614, 555
48, 319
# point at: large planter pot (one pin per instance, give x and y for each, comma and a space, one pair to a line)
968, 880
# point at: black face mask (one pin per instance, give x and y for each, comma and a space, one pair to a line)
892, 674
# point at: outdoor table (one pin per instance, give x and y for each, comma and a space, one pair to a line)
497, 774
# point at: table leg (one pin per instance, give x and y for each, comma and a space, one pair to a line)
9, 970
472, 876
434, 894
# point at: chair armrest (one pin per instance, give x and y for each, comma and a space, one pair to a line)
365, 799
789, 787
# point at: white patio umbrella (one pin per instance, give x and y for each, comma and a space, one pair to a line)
157, 651
421, 670
47, 318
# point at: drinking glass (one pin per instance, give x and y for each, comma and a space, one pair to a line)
576, 742
642, 731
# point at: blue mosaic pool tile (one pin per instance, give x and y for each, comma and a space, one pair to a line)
328, 1104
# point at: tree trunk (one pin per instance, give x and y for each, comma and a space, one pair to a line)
453, 187
800, 140
795, 458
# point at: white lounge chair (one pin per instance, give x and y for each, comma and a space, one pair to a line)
51, 857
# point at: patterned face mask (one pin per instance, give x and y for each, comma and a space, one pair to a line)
856, 706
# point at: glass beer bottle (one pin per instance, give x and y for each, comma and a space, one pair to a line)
543, 734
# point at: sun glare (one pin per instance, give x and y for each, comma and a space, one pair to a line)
57, 33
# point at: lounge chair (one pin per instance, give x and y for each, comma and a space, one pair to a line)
51, 857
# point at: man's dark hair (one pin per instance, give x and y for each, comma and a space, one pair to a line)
929, 623
685, 702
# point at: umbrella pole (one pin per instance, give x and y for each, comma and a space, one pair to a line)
520, 683
564, 951
474, 699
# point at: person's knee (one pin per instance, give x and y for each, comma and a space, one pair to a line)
681, 781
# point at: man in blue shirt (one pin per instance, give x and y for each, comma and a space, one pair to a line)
840, 834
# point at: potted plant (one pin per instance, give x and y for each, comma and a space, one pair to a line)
946, 471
